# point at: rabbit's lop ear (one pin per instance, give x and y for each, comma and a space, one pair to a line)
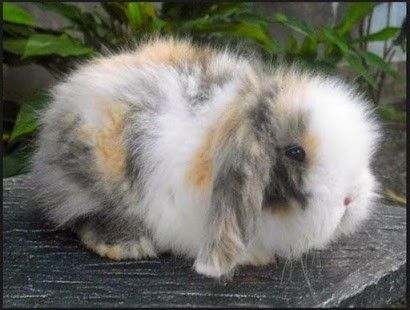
241, 172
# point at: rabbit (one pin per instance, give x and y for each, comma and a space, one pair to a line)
206, 153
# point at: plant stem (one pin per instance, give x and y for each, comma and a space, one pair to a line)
382, 79
387, 25
380, 75
369, 22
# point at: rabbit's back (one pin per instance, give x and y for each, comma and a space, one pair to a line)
122, 133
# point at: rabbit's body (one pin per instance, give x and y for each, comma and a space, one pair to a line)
173, 148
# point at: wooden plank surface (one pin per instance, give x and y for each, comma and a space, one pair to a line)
46, 268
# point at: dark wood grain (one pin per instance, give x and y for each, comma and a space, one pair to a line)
47, 268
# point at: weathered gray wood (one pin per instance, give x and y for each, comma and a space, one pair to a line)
43, 267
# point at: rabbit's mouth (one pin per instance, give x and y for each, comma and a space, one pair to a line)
356, 205
347, 200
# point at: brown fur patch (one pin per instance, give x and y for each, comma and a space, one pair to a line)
85, 134
173, 51
281, 209
118, 61
135, 249
110, 150
229, 122
310, 144
168, 51
200, 172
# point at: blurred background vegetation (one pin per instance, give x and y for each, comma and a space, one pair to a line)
115, 25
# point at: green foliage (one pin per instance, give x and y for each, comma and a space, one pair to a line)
382, 35
391, 113
296, 25
16, 162
338, 44
16, 15
118, 24
325, 47
353, 15
17, 141
45, 45
113, 25
220, 22
27, 117
378, 62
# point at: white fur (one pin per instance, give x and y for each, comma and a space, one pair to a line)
174, 212
339, 118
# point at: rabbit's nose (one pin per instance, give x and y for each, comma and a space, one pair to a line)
347, 201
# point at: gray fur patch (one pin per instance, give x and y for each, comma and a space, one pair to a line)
276, 131
111, 228
72, 156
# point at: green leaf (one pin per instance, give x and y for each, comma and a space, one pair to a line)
26, 120
360, 69
149, 18
158, 23
308, 48
47, 44
297, 25
330, 60
378, 62
197, 24
15, 46
147, 9
291, 50
247, 30
15, 14
69, 11
354, 14
16, 162
254, 19
292, 46
382, 35
391, 113
229, 8
255, 32
132, 10
334, 38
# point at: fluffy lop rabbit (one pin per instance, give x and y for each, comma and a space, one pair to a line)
204, 153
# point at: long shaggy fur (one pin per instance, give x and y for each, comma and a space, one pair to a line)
184, 148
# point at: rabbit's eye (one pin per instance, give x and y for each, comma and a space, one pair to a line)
295, 152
